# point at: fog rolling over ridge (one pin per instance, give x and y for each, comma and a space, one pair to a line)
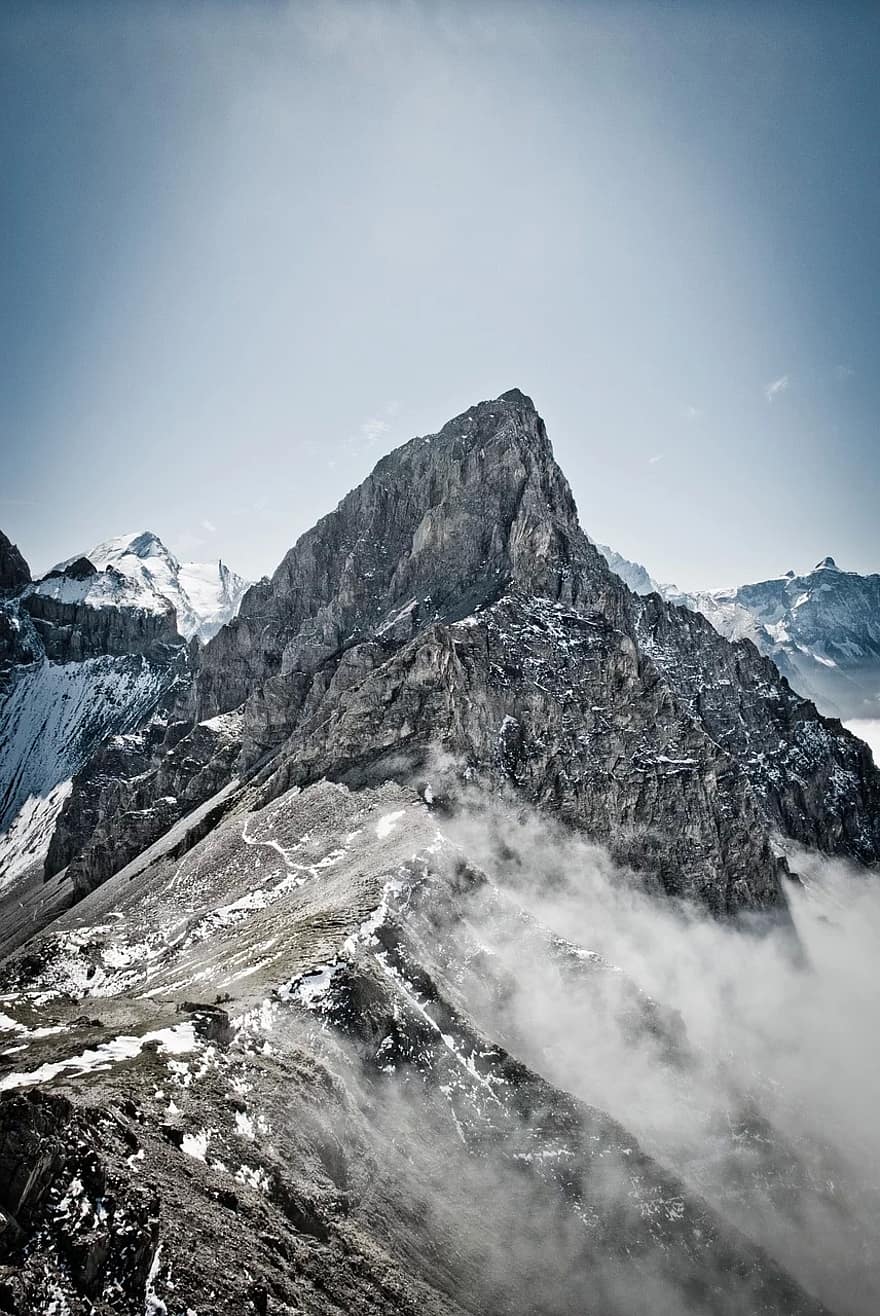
455, 931
762, 1093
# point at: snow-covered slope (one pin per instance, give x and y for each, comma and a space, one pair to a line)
822, 629
633, 574
84, 655
52, 720
105, 588
205, 595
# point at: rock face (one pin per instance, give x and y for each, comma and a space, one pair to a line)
134, 790
80, 614
822, 628
14, 571
452, 610
452, 601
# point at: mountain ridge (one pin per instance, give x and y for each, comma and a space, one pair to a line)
821, 628
384, 639
336, 965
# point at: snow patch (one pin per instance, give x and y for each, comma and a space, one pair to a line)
387, 823
176, 1041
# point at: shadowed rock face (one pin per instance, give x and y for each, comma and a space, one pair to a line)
444, 523
14, 571
452, 603
80, 661
72, 632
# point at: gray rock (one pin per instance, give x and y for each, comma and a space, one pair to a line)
14, 571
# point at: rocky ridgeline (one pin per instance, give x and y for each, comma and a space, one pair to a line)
363, 1121
451, 614
821, 629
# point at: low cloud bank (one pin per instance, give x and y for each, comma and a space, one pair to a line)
759, 1083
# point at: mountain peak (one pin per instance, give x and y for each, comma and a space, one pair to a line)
203, 595
827, 564
147, 544
519, 398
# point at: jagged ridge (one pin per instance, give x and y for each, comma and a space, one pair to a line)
451, 602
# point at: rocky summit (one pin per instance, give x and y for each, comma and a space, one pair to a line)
329, 991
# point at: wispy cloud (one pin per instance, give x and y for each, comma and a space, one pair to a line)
209, 526
691, 412
776, 387
843, 373
652, 461
373, 429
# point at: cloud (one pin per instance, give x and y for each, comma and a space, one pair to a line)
374, 428
691, 412
777, 386
652, 461
740, 1077
843, 372
209, 526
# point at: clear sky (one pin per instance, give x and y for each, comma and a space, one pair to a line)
248, 248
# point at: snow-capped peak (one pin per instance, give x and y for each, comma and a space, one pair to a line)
827, 564
205, 595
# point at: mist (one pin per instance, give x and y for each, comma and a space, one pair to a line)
757, 1079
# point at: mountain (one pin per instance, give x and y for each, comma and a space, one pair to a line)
203, 595
89, 653
451, 607
85, 655
821, 629
442, 946
635, 576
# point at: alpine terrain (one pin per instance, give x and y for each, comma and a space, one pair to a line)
437, 936
89, 653
822, 629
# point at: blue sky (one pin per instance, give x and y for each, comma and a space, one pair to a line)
248, 248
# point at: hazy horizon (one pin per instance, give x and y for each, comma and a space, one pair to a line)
249, 249
40, 568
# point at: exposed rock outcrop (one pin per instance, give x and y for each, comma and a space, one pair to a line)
821, 628
14, 571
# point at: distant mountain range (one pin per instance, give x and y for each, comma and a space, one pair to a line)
822, 628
